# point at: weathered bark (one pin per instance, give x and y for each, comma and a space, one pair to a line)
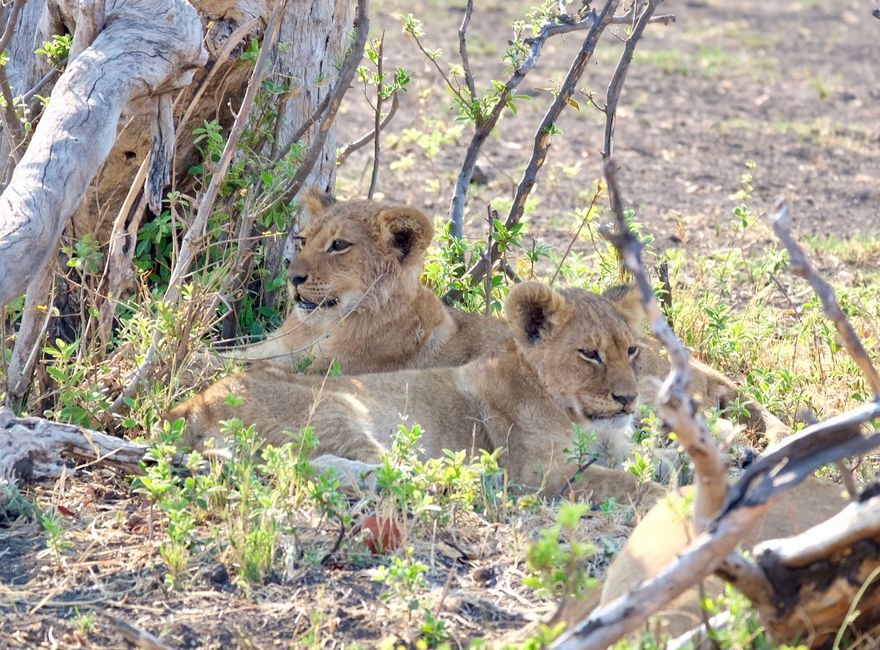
316, 32
32, 448
34, 320
145, 48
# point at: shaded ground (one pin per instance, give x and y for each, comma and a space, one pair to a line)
110, 570
793, 86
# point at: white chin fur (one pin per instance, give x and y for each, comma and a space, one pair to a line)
614, 436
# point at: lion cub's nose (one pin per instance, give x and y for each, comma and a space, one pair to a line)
624, 400
297, 280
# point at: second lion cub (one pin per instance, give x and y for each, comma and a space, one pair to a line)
573, 359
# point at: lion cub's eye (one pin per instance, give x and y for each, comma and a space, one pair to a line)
338, 245
299, 242
632, 351
590, 355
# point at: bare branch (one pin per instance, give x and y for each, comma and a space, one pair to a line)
800, 265
676, 408
45, 80
615, 86
486, 125
215, 66
346, 74
354, 145
543, 136
119, 274
542, 140
462, 50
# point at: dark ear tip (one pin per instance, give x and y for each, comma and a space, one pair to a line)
533, 309
407, 229
315, 200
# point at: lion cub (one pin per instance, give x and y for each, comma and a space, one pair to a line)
572, 359
357, 297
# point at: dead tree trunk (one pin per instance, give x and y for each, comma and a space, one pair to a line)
115, 137
142, 49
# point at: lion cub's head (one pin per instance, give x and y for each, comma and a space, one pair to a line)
583, 347
355, 255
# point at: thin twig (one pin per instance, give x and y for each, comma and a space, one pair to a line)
600, 187
194, 235
462, 50
346, 74
354, 145
618, 78
453, 88
377, 119
44, 81
329, 554
800, 266
491, 216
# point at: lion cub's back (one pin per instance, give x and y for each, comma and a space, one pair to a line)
475, 335
357, 412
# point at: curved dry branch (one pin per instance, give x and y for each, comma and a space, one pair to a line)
800, 265
144, 49
676, 408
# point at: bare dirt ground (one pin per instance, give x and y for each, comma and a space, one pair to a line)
793, 86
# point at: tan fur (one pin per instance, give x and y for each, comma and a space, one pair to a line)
667, 530
373, 314
385, 319
572, 360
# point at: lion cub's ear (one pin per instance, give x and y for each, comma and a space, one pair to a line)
534, 310
627, 301
406, 230
315, 201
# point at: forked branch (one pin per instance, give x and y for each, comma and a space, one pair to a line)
488, 122
543, 136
